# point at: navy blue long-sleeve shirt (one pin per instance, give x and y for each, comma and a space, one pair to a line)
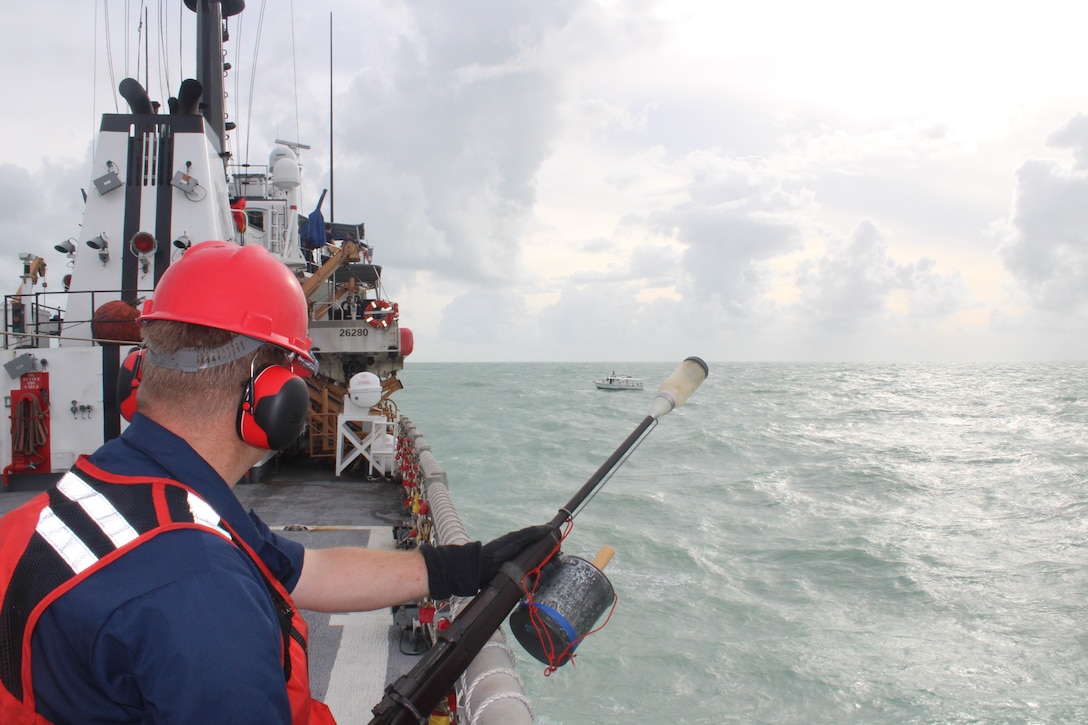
181, 629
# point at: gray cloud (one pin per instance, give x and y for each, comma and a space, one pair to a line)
1073, 136
737, 218
452, 124
37, 211
487, 318
453, 137
1046, 249
854, 281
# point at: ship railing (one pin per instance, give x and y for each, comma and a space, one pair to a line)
45, 321
29, 321
490, 692
248, 181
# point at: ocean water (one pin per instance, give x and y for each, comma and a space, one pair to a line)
799, 543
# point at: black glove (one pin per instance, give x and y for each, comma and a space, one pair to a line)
464, 569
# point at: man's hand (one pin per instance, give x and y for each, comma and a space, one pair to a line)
464, 569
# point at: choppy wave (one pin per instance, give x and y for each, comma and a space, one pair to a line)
799, 543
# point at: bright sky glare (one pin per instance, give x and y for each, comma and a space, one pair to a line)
612, 181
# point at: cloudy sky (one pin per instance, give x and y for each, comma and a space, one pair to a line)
619, 181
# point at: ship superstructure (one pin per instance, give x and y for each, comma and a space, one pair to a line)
162, 180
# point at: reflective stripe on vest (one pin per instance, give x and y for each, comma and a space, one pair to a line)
113, 525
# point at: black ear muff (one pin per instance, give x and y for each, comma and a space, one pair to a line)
273, 410
128, 379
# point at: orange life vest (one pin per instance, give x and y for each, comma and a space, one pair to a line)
33, 526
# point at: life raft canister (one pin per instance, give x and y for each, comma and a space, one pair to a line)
379, 314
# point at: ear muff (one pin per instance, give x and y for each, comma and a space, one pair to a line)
128, 379
273, 409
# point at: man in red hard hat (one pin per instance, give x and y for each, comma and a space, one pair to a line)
137, 589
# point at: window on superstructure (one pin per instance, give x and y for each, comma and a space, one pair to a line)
256, 219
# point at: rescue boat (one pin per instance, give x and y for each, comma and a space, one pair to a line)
613, 381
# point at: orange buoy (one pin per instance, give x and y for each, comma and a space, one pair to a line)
115, 323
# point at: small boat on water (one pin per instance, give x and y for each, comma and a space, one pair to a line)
619, 382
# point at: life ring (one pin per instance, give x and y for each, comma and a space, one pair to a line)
379, 314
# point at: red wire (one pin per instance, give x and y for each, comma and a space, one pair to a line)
543, 634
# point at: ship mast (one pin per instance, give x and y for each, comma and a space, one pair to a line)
332, 184
210, 33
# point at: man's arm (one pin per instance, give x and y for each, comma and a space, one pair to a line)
353, 579
350, 579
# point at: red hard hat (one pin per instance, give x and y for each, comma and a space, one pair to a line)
240, 289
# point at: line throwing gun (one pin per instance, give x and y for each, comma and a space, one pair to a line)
412, 697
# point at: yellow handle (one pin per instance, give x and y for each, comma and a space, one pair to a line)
603, 557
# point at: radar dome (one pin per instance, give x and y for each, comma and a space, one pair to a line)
279, 151
364, 391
